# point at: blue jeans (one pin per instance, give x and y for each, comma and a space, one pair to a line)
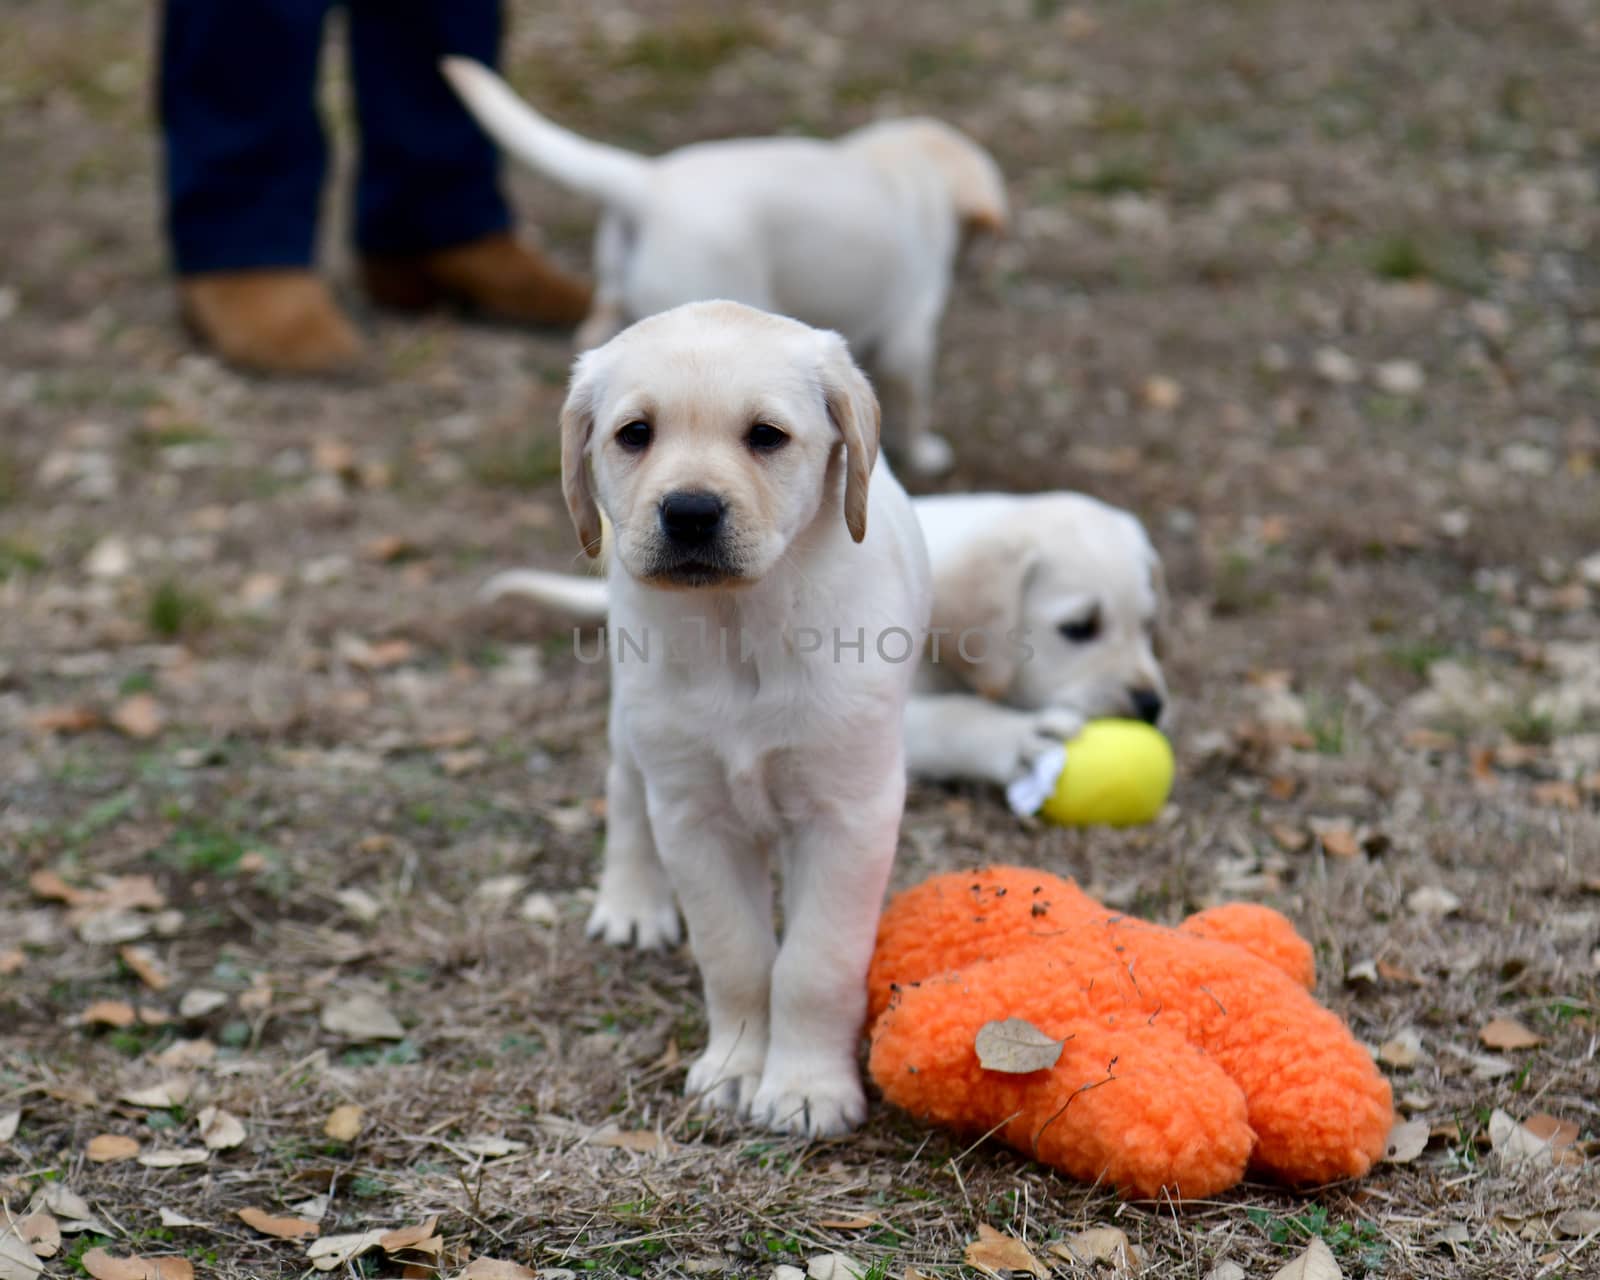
245, 153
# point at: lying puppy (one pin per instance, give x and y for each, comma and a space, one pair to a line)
735, 456
859, 235
1044, 616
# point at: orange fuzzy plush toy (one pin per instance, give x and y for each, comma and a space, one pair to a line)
1190, 1054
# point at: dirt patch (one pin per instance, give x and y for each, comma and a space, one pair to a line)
1311, 287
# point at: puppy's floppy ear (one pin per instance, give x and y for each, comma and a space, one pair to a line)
853, 409
977, 611
577, 430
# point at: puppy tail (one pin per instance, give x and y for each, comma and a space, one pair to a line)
584, 599
615, 177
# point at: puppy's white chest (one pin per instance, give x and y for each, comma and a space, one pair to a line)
754, 790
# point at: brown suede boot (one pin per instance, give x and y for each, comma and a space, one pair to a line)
493, 276
270, 321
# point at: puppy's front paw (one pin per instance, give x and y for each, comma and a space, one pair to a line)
815, 1104
726, 1077
930, 455
1025, 736
634, 919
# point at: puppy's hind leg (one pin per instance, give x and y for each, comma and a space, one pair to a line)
634, 905
904, 366
608, 316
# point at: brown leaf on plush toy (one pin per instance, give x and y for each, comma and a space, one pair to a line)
1016, 1047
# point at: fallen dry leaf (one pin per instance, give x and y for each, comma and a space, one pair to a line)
1430, 900
139, 717
41, 1233
282, 1228
628, 1139
109, 1013
11, 961
1226, 1270
1543, 1140
848, 1224
1338, 840
495, 1269
1316, 1263
390, 548
172, 1218
9, 1120
1016, 1047
362, 1017
168, 1093
835, 1266
62, 1201
1161, 393
1099, 1244
409, 1237
220, 1130
1508, 1033
132, 893
108, 1148
173, 1157
65, 719
994, 1252
344, 1122
492, 1146
382, 656
1553, 1130
144, 965
17, 1261
199, 1001
104, 1266
1407, 1140
1399, 973
51, 887
1577, 1223
334, 1251
1289, 839
358, 904
1402, 1050
107, 928
185, 1053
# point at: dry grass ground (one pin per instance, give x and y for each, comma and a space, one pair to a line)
1311, 286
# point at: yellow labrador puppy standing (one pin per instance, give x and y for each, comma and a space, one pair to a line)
769, 593
861, 234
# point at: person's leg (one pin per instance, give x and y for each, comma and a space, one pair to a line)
244, 150
430, 220
428, 178
245, 159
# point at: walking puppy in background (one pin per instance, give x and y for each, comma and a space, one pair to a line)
1046, 612
735, 455
860, 235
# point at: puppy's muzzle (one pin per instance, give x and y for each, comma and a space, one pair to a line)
693, 549
1147, 704
691, 520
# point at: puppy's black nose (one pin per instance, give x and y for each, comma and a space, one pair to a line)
1147, 704
691, 519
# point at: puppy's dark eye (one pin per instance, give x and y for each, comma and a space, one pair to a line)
635, 436
1082, 630
766, 438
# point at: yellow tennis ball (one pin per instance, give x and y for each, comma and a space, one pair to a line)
1118, 774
